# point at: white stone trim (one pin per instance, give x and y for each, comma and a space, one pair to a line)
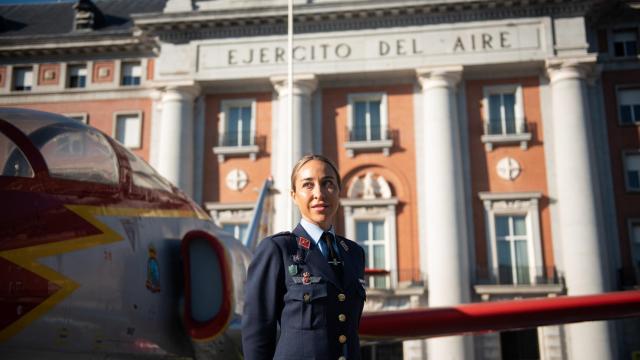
384, 143
355, 210
230, 213
518, 203
521, 135
222, 150
114, 126
618, 89
81, 116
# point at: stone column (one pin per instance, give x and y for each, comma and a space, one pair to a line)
292, 138
175, 153
444, 218
584, 259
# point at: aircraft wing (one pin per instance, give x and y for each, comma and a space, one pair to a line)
497, 316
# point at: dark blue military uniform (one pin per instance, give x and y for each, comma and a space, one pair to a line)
291, 284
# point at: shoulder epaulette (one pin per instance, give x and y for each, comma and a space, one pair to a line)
282, 233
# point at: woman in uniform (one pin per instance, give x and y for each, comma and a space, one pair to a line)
309, 283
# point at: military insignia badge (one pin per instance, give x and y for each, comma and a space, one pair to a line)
306, 277
297, 258
304, 243
344, 245
293, 269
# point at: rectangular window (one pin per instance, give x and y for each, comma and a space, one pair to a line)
512, 243
632, 171
238, 126
22, 78
128, 130
237, 230
370, 235
502, 114
131, 73
366, 121
77, 76
625, 43
629, 105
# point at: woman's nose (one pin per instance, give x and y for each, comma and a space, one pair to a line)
317, 191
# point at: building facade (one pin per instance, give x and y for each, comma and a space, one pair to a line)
489, 149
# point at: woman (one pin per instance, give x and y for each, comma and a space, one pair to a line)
309, 282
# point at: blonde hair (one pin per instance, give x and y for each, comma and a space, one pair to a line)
305, 159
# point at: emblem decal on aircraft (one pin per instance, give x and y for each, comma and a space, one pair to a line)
153, 271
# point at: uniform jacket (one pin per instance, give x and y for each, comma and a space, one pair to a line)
312, 313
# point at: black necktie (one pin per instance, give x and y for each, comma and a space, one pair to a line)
332, 257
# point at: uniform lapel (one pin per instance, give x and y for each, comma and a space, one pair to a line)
315, 259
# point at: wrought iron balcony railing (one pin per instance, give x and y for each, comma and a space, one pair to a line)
497, 127
518, 275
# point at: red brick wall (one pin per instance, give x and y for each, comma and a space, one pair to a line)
215, 188
484, 176
398, 168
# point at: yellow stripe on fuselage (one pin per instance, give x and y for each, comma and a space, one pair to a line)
27, 257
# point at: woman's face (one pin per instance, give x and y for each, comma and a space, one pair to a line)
316, 193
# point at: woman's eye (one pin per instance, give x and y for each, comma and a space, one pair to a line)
307, 185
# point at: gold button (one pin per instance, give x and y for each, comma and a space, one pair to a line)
342, 358
342, 317
306, 297
341, 297
342, 339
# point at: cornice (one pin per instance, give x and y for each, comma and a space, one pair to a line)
310, 18
79, 47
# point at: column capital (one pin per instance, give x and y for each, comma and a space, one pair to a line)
570, 68
181, 92
442, 76
303, 84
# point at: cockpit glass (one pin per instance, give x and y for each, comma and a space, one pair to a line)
145, 176
12, 160
81, 154
70, 149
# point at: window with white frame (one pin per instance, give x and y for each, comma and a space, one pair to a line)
504, 110
503, 114
512, 243
131, 73
128, 129
513, 232
238, 123
370, 219
625, 42
77, 76
632, 170
368, 120
238, 230
23, 78
629, 105
234, 218
370, 234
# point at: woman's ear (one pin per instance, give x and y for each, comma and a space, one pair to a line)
293, 194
